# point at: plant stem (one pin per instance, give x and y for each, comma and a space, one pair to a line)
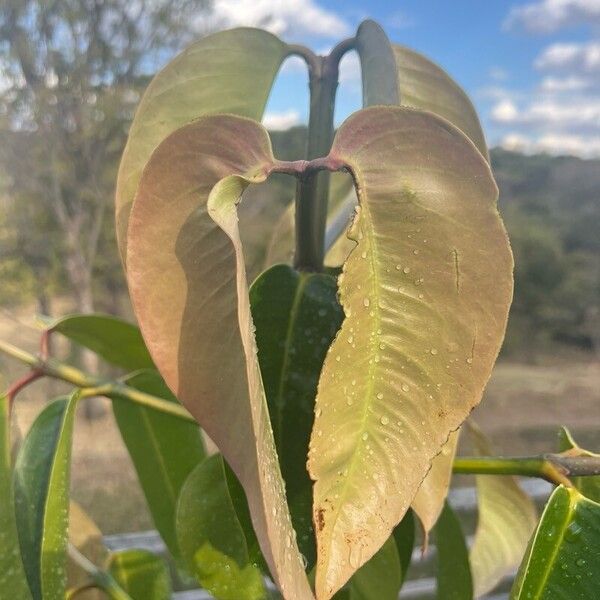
100, 578
555, 468
312, 192
93, 386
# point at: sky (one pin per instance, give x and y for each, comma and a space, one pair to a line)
532, 68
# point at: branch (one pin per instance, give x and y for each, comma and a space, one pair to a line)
555, 468
93, 386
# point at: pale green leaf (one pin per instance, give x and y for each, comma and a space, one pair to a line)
563, 558
190, 294
506, 520
41, 483
426, 86
425, 318
226, 72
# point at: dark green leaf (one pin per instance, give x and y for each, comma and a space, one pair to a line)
13, 582
378, 65
296, 316
454, 574
143, 575
164, 450
588, 486
380, 578
116, 341
41, 482
211, 538
563, 558
404, 534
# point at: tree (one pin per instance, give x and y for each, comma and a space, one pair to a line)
73, 73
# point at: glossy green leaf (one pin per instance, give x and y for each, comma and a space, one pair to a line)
41, 484
143, 575
453, 572
211, 537
426, 86
115, 340
563, 558
189, 291
378, 65
429, 501
164, 450
425, 318
296, 317
506, 519
13, 581
589, 486
226, 72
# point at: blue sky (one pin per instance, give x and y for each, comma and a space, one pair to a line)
532, 68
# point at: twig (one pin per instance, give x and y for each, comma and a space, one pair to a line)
555, 468
91, 386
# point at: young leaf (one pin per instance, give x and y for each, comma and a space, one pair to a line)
189, 290
429, 501
211, 537
453, 572
425, 318
143, 575
41, 483
426, 86
226, 72
506, 519
296, 317
13, 582
563, 558
115, 340
164, 450
588, 486
377, 65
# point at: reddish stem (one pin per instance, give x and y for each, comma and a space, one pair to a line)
21, 383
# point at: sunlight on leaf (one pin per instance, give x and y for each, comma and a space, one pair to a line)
143, 575
425, 318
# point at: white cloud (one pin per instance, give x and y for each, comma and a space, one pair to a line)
498, 74
579, 58
293, 19
567, 84
280, 121
548, 16
564, 115
579, 145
